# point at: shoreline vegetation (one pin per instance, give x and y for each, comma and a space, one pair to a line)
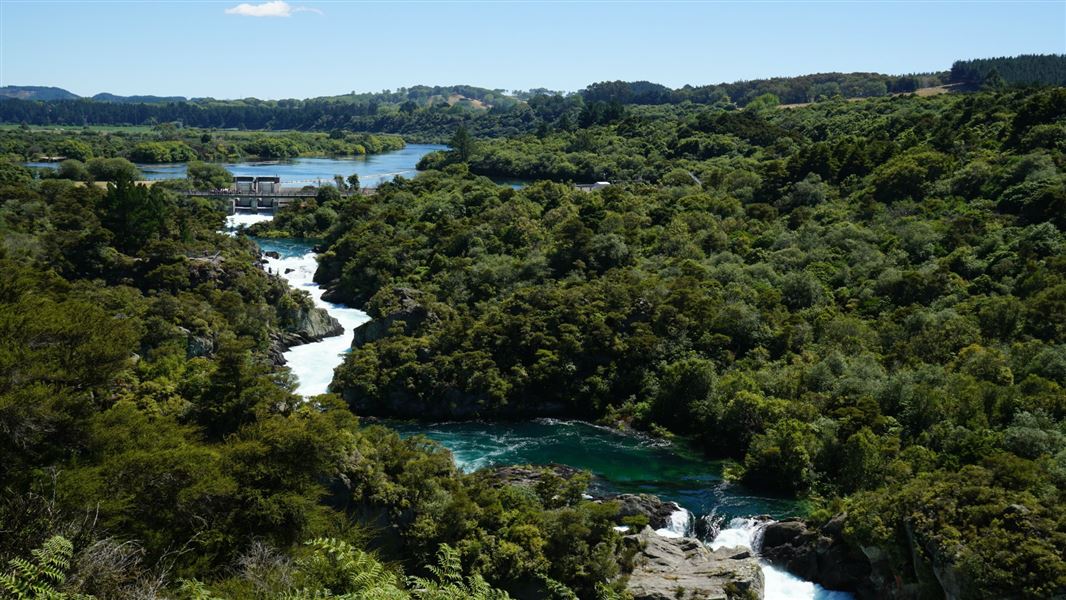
168, 143
762, 291
859, 304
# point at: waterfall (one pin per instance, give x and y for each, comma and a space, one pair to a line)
681, 524
313, 363
741, 532
237, 220
745, 532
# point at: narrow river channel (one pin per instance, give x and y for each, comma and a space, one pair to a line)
620, 462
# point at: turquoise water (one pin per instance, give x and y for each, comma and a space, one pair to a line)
297, 172
285, 247
621, 462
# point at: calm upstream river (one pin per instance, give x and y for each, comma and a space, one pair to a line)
620, 462
297, 172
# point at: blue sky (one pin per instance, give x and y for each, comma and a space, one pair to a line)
217, 48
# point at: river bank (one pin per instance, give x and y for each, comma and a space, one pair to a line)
371, 169
621, 463
722, 512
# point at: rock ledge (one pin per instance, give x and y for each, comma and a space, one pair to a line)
671, 568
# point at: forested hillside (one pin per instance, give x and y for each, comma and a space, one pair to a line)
168, 144
1029, 69
806, 88
857, 305
152, 448
859, 301
425, 113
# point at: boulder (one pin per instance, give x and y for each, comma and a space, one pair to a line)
305, 326
671, 568
312, 325
272, 254
657, 511
791, 545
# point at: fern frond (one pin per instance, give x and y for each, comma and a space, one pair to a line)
557, 589
14, 587
39, 579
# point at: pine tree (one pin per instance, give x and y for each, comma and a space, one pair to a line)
462, 144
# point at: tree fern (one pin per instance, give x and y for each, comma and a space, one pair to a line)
336, 569
449, 583
557, 590
42, 577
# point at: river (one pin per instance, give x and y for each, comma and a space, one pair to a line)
371, 169
620, 462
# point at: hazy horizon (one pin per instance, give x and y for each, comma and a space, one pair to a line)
279, 50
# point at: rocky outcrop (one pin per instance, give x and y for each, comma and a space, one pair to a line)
314, 324
671, 568
404, 309
306, 325
197, 345
657, 511
818, 554
530, 475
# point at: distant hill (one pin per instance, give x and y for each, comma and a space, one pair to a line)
1027, 69
36, 92
46, 94
105, 97
434, 112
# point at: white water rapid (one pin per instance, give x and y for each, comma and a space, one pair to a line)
313, 363
313, 366
681, 524
779, 584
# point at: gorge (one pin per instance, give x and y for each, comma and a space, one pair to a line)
723, 513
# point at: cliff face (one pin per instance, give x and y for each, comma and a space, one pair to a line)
823, 555
820, 555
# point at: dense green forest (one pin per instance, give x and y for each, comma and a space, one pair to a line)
1028, 69
167, 143
423, 95
790, 90
431, 114
860, 302
857, 303
152, 447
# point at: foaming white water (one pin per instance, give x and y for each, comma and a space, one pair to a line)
779, 584
739, 534
313, 363
238, 220
680, 525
